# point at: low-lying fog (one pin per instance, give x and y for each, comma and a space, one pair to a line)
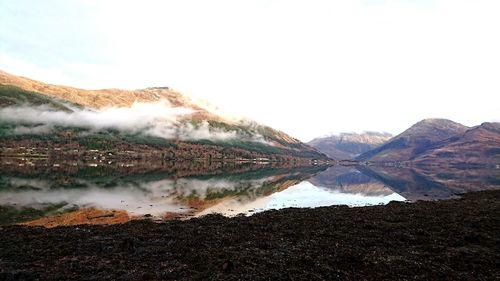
158, 119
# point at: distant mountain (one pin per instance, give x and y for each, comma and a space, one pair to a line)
417, 139
441, 141
480, 144
349, 145
153, 122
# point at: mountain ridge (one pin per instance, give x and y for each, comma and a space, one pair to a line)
415, 139
346, 146
245, 135
479, 144
441, 141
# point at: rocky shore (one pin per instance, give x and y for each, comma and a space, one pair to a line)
455, 239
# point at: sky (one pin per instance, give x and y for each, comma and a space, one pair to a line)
308, 68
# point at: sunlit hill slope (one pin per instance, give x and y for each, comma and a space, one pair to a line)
44, 120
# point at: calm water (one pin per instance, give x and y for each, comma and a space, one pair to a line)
66, 191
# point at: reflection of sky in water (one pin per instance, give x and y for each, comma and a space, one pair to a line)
302, 195
229, 195
306, 195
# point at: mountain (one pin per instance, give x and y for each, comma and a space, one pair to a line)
349, 145
414, 141
97, 98
60, 121
480, 144
441, 142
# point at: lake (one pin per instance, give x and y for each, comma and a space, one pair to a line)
67, 192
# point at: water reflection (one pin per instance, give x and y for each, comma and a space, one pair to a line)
302, 195
72, 192
434, 183
306, 195
350, 180
47, 193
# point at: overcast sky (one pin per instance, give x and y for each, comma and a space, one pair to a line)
305, 67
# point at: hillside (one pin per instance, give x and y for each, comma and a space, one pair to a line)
415, 141
38, 118
99, 98
347, 146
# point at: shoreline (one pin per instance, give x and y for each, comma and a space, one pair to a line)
455, 239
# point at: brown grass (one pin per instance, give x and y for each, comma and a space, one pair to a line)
82, 216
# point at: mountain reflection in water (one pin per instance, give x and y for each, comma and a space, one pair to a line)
38, 192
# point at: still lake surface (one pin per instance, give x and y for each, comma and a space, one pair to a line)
53, 193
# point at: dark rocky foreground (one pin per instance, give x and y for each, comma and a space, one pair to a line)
445, 240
